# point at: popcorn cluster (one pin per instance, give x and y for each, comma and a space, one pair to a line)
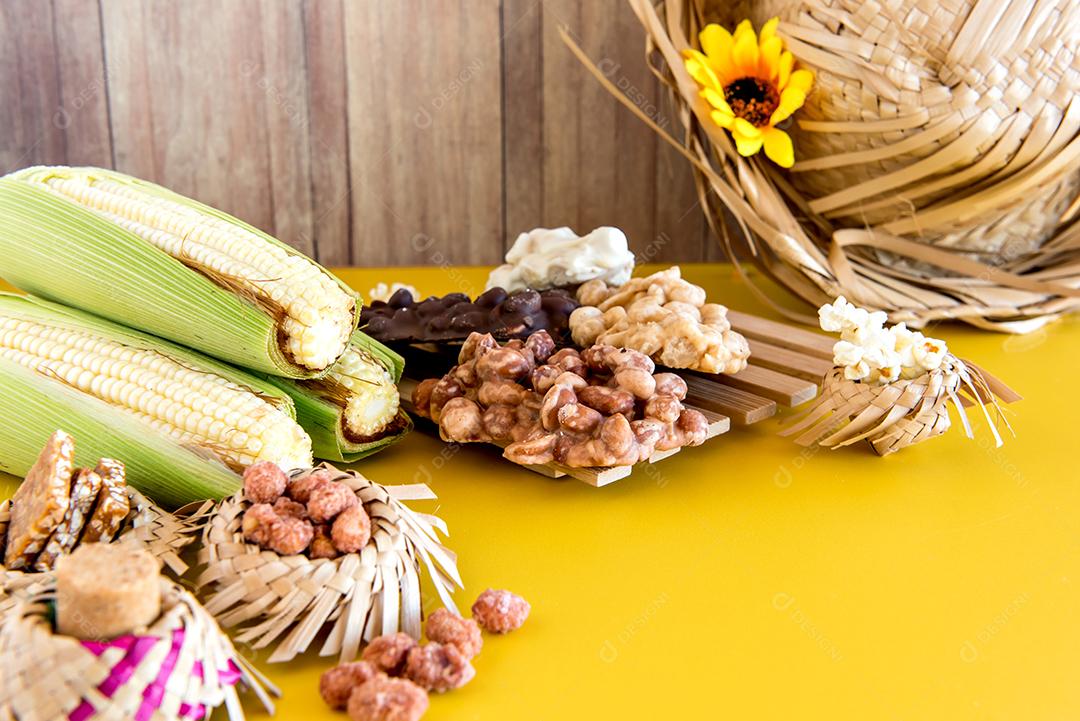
868, 351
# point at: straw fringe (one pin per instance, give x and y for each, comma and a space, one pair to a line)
48, 676
288, 600
899, 414
938, 154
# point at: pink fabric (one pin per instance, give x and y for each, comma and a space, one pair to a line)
135, 649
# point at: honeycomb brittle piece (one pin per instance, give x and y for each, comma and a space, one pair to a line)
39, 505
112, 505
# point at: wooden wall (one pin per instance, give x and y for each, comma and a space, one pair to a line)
365, 132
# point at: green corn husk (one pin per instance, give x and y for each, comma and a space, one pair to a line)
34, 404
321, 408
55, 248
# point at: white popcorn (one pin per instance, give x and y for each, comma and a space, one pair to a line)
382, 291
871, 352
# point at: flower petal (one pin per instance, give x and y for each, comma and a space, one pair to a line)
787, 62
743, 127
698, 67
716, 43
743, 29
744, 55
716, 100
746, 146
768, 30
778, 147
724, 120
790, 100
801, 79
769, 62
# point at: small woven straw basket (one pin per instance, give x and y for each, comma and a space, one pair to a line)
937, 156
896, 415
358, 596
178, 669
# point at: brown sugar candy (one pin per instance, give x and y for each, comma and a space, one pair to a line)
387, 699
39, 504
105, 590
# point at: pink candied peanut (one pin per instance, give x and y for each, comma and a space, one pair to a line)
500, 611
337, 684
351, 530
438, 668
321, 544
286, 507
264, 482
387, 653
257, 522
300, 488
446, 627
329, 499
387, 699
289, 536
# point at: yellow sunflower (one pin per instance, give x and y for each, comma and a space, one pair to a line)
751, 84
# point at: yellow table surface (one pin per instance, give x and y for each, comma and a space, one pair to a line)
754, 579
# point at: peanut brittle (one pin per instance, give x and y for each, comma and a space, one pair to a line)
40, 503
85, 486
112, 505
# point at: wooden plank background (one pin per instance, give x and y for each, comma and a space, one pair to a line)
365, 132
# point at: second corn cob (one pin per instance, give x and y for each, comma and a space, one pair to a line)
214, 410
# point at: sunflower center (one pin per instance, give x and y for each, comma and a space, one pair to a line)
752, 99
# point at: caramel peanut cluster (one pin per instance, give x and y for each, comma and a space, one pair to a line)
664, 317
603, 406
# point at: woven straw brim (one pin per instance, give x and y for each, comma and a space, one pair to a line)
48, 676
937, 156
896, 415
286, 601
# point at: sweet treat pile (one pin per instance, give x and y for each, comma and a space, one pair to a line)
664, 317
312, 513
868, 351
59, 507
550, 258
392, 680
453, 317
500, 611
603, 406
105, 590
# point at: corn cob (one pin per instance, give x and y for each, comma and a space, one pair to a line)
354, 410
175, 268
214, 410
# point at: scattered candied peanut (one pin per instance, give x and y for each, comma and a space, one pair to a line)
264, 482
448, 628
387, 699
328, 500
337, 684
300, 488
500, 611
322, 546
388, 653
438, 667
286, 507
351, 530
289, 536
257, 522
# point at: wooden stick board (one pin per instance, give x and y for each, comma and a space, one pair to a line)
787, 364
